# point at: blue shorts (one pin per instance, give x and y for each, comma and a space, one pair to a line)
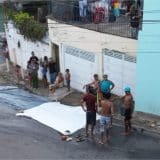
105, 122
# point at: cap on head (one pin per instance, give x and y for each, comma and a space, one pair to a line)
127, 89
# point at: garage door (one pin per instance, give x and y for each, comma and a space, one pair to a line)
82, 65
121, 69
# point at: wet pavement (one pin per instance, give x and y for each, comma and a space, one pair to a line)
23, 138
18, 98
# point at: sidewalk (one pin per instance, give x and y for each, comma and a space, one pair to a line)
142, 122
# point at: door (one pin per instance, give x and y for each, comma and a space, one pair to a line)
55, 55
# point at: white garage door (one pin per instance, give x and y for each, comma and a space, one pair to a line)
82, 65
121, 70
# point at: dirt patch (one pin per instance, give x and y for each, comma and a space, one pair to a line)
73, 99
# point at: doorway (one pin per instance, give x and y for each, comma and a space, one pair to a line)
55, 55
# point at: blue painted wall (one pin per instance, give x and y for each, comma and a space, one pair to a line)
148, 60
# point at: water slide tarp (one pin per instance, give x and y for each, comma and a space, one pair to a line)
57, 116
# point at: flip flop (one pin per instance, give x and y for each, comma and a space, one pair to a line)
69, 139
80, 140
100, 142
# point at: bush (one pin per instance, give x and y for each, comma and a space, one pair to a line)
31, 29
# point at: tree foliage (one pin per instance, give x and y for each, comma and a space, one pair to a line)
27, 25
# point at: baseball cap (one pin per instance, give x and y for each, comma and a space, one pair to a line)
127, 89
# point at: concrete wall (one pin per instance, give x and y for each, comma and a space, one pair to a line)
90, 41
148, 61
94, 42
121, 69
20, 55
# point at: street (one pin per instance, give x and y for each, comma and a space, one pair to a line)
23, 138
53, 53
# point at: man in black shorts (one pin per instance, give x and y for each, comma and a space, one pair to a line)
88, 103
128, 106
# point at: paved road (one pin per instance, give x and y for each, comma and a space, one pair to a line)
23, 138
18, 98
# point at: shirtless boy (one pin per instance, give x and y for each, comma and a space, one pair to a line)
128, 105
107, 111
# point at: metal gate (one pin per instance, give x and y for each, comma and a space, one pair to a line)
82, 65
121, 69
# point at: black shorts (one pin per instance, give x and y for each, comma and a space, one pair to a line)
91, 118
128, 114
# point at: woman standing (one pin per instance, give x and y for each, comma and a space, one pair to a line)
44, 65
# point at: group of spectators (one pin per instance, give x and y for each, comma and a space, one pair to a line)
98, 11
97, 100
47, 69
90, 8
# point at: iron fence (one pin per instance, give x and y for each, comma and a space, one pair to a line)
101, 20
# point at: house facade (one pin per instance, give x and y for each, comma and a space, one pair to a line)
20, 48
86, 48
148, 56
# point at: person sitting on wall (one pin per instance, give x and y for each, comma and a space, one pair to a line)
59, 82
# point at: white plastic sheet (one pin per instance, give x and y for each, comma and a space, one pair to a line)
57, 116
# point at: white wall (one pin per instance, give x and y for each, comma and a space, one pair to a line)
90, 41
121, 69
21, 55
82, 65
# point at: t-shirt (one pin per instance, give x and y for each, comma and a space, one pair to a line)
52, 67
105, 86
90, 102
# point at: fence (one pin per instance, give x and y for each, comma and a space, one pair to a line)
101, 19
